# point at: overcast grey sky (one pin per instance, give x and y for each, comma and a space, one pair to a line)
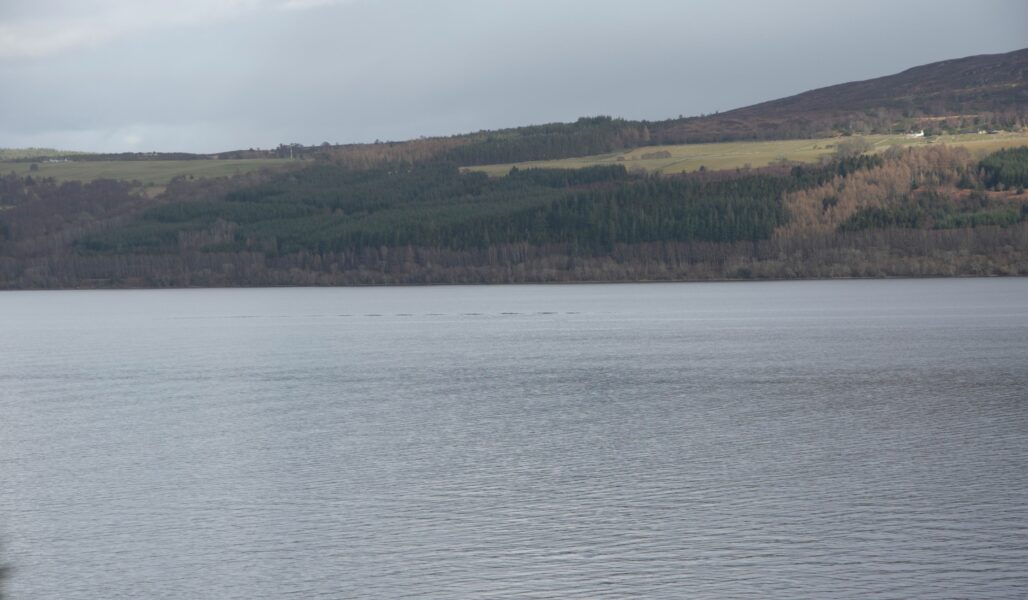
209, 75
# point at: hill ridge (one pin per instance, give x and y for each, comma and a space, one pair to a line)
1005, 70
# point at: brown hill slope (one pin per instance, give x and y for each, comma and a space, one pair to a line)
976, 83
977, 91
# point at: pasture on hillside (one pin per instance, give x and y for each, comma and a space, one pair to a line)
683, 158
151, 173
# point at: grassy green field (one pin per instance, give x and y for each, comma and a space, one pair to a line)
149, 172
730, 155
154, 174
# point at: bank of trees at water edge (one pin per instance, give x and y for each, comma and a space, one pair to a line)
430, 222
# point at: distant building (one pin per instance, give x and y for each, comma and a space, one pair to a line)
918, 134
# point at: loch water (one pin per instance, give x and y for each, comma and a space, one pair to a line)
822, 439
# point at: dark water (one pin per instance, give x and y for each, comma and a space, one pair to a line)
863, 439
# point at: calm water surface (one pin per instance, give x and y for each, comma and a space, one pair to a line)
861, 439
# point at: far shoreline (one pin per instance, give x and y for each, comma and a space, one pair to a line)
507, 284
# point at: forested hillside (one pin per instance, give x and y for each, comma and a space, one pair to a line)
928, 211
